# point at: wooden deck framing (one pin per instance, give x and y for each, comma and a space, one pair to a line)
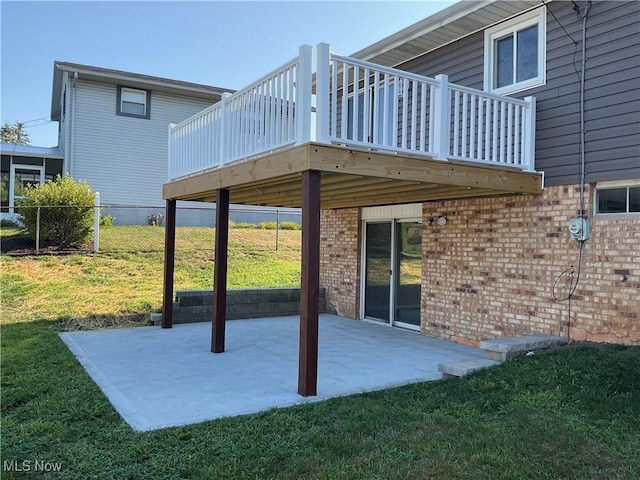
351, 178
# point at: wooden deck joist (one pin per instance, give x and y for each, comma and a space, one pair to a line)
351, 178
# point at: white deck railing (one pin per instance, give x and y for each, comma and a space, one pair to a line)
357, 104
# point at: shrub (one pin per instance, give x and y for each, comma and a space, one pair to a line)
243, 225
267, 225
63, 227
290, 226
107, 220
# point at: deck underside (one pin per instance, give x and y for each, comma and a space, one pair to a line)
350, 178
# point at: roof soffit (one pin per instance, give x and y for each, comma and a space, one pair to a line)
453, 23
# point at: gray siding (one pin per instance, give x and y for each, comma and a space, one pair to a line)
124, 158
612, 96
463, 61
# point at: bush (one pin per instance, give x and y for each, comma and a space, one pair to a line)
290, 226
62, 227
242, 225
107, 220
267, 225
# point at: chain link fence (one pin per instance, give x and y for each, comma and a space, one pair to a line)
140, 229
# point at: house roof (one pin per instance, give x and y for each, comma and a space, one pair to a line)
453, 23
136, 80
29, 151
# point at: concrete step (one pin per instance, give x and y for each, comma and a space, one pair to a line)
156, 319
463, 368
501, 349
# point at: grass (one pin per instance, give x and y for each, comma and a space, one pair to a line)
572, 413
124, 284
146, 238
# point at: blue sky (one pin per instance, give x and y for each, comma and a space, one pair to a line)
226, 44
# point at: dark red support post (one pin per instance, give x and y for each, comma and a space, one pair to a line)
169, 263
220, 272
310, 285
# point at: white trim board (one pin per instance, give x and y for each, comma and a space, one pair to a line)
390, 212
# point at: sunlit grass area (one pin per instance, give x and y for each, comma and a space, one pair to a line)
123, 283
188, 239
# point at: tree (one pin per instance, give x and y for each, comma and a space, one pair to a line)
14, 134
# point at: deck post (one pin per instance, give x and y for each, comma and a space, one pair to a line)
440, 123
169, 263
303, 95
223, 130
310, 284
529, 135
220, 272
323, 69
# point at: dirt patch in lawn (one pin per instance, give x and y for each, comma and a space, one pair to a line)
20, 246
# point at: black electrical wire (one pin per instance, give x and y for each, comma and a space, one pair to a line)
558, 22
573, 285
575, 43
582, 132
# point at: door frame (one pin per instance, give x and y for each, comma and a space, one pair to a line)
12, 180
394, 272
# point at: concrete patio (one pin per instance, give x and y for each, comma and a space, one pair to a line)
157, 378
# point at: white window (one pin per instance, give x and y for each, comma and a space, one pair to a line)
133, 102
515, 53
615, 197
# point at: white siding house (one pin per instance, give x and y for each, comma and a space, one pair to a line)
113, 128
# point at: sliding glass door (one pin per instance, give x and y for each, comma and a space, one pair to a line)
377, 284
408, 261
392, 272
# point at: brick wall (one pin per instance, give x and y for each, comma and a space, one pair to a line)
490, 270
340, 260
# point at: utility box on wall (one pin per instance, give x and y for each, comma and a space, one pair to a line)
579, 229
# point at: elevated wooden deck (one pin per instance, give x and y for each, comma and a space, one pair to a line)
427, 139
350, 178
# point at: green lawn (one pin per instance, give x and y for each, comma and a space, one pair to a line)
573, 413
123, 283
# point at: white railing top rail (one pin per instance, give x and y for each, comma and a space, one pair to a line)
383, 69
273, 73
487, 95
201, 113
238, 93
421, 78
